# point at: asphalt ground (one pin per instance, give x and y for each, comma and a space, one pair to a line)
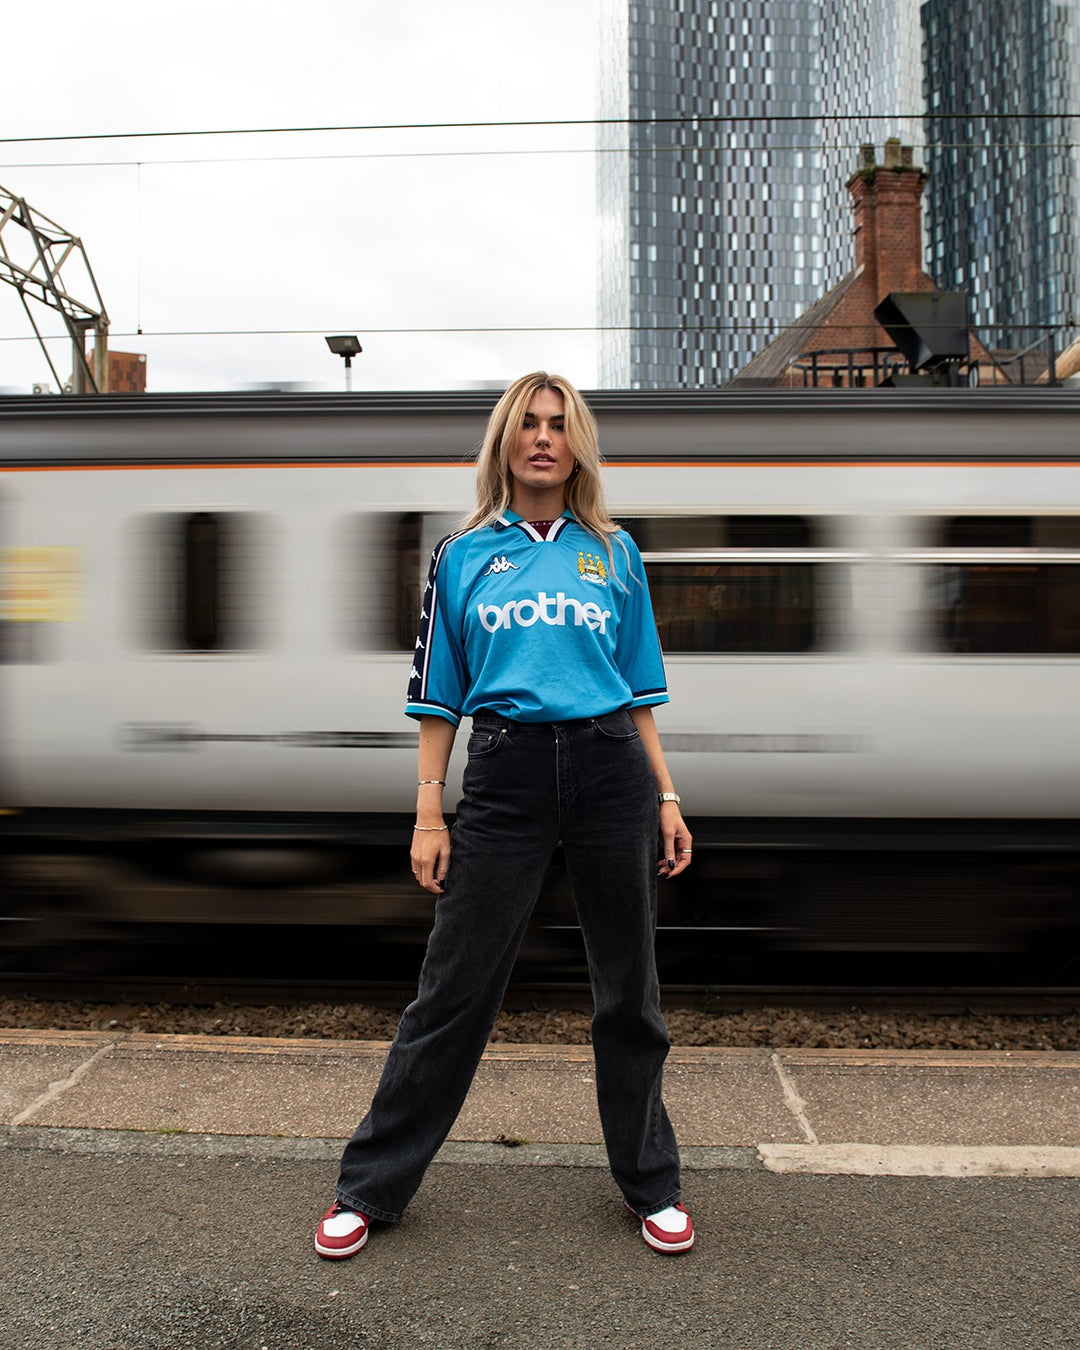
128, 1250
160, 1193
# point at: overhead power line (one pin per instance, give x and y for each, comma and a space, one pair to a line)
788, 119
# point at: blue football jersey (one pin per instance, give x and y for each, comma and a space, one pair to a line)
540, 630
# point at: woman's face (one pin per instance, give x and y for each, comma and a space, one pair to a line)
542, 459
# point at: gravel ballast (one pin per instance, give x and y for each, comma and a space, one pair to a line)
849, 1029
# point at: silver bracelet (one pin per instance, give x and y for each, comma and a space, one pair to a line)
431, 829
423, 782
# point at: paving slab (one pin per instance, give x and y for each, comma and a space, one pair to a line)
937, 1097
921, 1160
32, 1064
727, 1097
220, 1085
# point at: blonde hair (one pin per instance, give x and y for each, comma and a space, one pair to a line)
584, 488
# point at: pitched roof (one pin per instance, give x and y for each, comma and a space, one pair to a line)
773, 361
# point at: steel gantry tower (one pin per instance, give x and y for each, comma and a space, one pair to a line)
43, 262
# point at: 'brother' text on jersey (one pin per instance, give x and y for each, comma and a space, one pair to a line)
552, 609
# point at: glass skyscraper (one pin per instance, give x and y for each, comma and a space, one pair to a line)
723, 213
1002, 194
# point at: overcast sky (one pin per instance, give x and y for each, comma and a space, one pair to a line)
347, 232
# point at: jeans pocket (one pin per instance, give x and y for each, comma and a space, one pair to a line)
484, 743
616, 726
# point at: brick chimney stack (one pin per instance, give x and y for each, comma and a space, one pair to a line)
888, 219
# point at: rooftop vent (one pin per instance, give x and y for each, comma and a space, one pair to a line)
929, 327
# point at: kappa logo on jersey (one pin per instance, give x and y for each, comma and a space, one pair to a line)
502, 564
551, 609
591, 568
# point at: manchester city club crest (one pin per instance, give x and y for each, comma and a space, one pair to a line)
591, 567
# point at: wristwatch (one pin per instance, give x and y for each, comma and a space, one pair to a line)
663, 797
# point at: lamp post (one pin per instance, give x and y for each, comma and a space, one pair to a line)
346, 347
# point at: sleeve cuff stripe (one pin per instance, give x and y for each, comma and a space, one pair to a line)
649, 698
432, 709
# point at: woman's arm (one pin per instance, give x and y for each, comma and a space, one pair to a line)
431, 842
677, 838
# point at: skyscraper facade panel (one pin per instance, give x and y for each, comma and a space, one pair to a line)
706, 269
1000, 81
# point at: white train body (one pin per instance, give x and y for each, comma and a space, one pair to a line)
301, 711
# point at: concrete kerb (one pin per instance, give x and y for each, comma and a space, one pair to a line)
797, 1159
52, 1139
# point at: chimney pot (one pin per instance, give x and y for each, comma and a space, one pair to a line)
888, 229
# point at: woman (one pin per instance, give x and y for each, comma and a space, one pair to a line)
536, 622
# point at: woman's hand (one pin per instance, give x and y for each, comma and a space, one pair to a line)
678, 842
430, 858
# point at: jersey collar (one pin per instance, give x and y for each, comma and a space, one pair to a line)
509, 518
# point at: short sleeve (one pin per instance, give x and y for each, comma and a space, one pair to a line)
438, 680
637, 647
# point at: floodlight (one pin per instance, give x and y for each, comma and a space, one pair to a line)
346, 346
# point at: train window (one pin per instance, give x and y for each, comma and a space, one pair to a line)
732, 583
1007, 585
201, 600
390, 555
407, 613
196, 571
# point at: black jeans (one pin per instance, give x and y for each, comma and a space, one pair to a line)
528, 786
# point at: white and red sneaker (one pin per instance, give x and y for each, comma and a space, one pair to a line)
341, 1232
669, 1230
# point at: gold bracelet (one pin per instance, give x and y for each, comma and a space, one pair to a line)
423, 782
431, 829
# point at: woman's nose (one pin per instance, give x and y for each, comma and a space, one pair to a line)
543, 437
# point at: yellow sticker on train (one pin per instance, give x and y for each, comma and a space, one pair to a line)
40, 585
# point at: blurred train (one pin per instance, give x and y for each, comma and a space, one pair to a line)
869, 602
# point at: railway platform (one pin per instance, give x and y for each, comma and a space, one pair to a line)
873, 1112
161, 1192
